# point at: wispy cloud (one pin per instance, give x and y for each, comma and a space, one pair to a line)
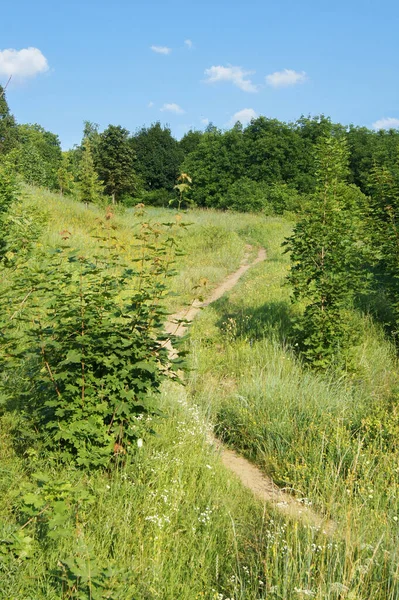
205, 121
285, 78
161, 49
236, 75
22, 64
244, 116
386, 123
188, 43
150, 104
173, 107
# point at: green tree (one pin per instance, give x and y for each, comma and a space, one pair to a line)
272, 151
115, 162
190, 141
326, 256
216, 163
89, 185
159, 157
8, 195
66, 180
38, 156
8, 126
384, 234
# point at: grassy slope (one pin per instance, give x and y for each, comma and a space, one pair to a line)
330, 439
174, 522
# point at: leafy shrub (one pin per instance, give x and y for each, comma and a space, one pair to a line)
246, 195
22, 228
93, 351
160, 197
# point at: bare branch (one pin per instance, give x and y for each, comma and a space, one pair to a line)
5, 87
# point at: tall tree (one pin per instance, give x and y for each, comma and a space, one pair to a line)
384, 233
8, 126
65, 176
115, 162
271, 151
190, 141
159, 157
8, 195
216, 163
90, 187
326, 256
38, 155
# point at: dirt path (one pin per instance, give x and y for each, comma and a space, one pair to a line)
250, 476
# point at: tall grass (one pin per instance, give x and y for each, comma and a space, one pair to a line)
330, 440
171, 522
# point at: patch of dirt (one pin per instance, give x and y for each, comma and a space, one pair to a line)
262, 486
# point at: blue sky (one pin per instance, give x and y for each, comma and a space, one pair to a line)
209, 61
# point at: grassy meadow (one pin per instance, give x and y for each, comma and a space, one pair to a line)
172, 523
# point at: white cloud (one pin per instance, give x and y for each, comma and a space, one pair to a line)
173, 107
244, 116
387, 123
235, 75
161, 49
205, 121
188, 43
150, 104
285, 78
22, 64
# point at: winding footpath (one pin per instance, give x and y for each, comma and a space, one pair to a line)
250, 476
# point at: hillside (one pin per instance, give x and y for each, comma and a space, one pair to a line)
170, 521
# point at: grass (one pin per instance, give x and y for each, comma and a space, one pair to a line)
330, 440
171, 522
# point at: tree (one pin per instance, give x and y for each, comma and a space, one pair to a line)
190, 141
65, 176
8, 195
216, 163
311, 130
326, 256
159, 157
272, 151
384, 234
90, 187
37, 157
8, 126
115, 162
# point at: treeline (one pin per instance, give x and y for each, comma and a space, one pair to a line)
266, 166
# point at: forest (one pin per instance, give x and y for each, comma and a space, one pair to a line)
113, 425
268, 166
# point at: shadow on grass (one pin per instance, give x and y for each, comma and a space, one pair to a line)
271, 320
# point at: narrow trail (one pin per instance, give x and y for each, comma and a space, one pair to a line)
262, 486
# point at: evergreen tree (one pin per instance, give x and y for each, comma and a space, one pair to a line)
90, 187
115, 162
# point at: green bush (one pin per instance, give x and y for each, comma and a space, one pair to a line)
93, 352
160, 197
246, 195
